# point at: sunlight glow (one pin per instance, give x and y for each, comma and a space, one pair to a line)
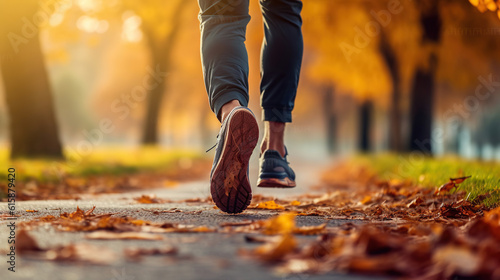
88, 5
90, 24
131, 28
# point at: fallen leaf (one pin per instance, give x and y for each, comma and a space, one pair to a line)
81, 252
446, 188
270, 205
451, 184
31, 211
310, 230
47, 218
25, 242
156, 212
275, 251
460, 259
282, 224
367, 199
79, 214
416, 202
261, 239
147, 199
459, 180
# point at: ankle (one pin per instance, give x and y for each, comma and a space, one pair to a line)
280, 148
274, 135
227, 108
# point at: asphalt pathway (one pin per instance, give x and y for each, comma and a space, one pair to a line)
200, 256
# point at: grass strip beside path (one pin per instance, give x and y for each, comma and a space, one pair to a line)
434, 172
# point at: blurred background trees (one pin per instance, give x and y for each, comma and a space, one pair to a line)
377, 76
161, 27
32, 124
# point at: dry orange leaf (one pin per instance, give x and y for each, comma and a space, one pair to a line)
81, 253
451, 184
367, 199
282, 224
416, 202
295, 203
146, 199
459, 180
493, 217
310, 230
31, 211
277, 250
270, 205
25, 242
79, 214
138, 222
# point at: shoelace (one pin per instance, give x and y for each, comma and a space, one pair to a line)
214, 145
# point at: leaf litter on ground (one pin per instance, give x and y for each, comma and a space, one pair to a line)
406, 230
27, 246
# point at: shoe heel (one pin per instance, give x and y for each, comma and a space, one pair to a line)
245, 134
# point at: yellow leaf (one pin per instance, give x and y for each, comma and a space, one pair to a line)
295, 203
138, 222
282, 224
202, 229
270, 205
366, 200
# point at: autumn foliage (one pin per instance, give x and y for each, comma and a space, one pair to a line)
487, 5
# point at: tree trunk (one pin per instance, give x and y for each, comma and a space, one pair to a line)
365, 122
330, 118
422, 95
154, 101
161, 53
388, 54
421, 112
33, 128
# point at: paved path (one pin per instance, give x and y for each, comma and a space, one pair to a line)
201, 256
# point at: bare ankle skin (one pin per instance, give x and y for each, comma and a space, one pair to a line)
227, 108
274, 137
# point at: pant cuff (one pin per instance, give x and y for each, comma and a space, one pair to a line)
277, 115
226, 97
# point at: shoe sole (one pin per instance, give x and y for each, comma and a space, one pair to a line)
230, 186
285, 183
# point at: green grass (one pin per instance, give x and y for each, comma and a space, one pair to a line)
105, 161
433, 172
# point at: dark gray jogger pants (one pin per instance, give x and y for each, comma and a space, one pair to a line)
225, 59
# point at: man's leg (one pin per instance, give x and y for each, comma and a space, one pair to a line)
225, 69
224, 56
282, 52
